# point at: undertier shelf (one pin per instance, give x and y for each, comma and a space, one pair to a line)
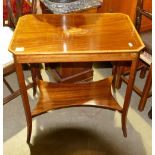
62, 95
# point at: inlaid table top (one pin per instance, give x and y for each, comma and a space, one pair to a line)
75, 33
75, 38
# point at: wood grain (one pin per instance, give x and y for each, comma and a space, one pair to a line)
93, 33
54, 96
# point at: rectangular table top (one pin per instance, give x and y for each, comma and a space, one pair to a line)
75, 33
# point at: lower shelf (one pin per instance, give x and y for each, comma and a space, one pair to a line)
61, 95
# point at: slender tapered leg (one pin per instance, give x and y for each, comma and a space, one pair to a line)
36, 74
150, 113
146, 90
24, 96
143, 72
114, 73
128, 96
118, 80
33, 73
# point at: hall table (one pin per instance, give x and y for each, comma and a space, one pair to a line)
75, 38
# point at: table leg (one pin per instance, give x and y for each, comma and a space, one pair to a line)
36, 74
114, 73
119, 68
146, 90
128, 95
25, 100
150, 113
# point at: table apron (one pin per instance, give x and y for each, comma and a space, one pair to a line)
42, 58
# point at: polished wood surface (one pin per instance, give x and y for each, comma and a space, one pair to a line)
75, 34
75, 38
54, 96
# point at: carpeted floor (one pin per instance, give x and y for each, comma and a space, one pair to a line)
77, 130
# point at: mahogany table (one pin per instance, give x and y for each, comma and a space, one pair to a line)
75, 38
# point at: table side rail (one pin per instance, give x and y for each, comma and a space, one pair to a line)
75, 57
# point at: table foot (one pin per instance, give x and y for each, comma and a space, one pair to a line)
29, 131
124, 129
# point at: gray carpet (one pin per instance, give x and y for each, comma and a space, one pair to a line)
77, 130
